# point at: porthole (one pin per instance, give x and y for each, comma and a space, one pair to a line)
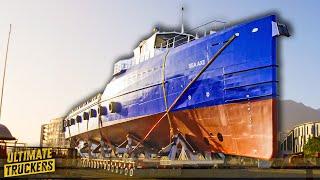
220, 137
255, 30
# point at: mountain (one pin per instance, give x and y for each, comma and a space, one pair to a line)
292, 113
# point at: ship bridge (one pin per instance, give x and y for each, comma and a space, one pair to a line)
158, 43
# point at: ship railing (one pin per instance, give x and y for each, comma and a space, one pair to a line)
199, 31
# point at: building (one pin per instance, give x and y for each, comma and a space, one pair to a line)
52, 134
43, 134
299, 136
5, 134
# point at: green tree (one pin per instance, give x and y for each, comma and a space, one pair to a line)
312, 146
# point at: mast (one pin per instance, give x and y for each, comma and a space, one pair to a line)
182, 27
4, 70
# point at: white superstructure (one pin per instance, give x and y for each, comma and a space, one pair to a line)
158, 43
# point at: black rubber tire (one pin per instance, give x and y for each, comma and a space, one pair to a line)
131, 172
126, 171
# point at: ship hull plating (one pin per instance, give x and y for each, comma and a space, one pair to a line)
246, 128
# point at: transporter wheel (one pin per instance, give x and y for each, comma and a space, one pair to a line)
131, 172
117, 169
126, 171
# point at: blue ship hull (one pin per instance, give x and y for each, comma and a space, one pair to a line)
243, 79
245, 70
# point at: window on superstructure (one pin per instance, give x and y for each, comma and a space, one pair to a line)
313, 130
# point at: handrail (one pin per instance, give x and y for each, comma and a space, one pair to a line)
210, 22
180, 39
173, 39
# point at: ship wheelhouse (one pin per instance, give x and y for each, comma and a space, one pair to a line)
158, 43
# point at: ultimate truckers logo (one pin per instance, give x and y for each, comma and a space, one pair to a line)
28, 162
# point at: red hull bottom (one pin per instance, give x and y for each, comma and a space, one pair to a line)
243, 129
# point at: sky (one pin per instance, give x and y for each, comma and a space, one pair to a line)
62, 52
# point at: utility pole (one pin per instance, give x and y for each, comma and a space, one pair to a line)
4, 70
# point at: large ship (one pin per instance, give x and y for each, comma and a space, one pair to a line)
217, 93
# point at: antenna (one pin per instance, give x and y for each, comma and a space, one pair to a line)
182, 27
4, 70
